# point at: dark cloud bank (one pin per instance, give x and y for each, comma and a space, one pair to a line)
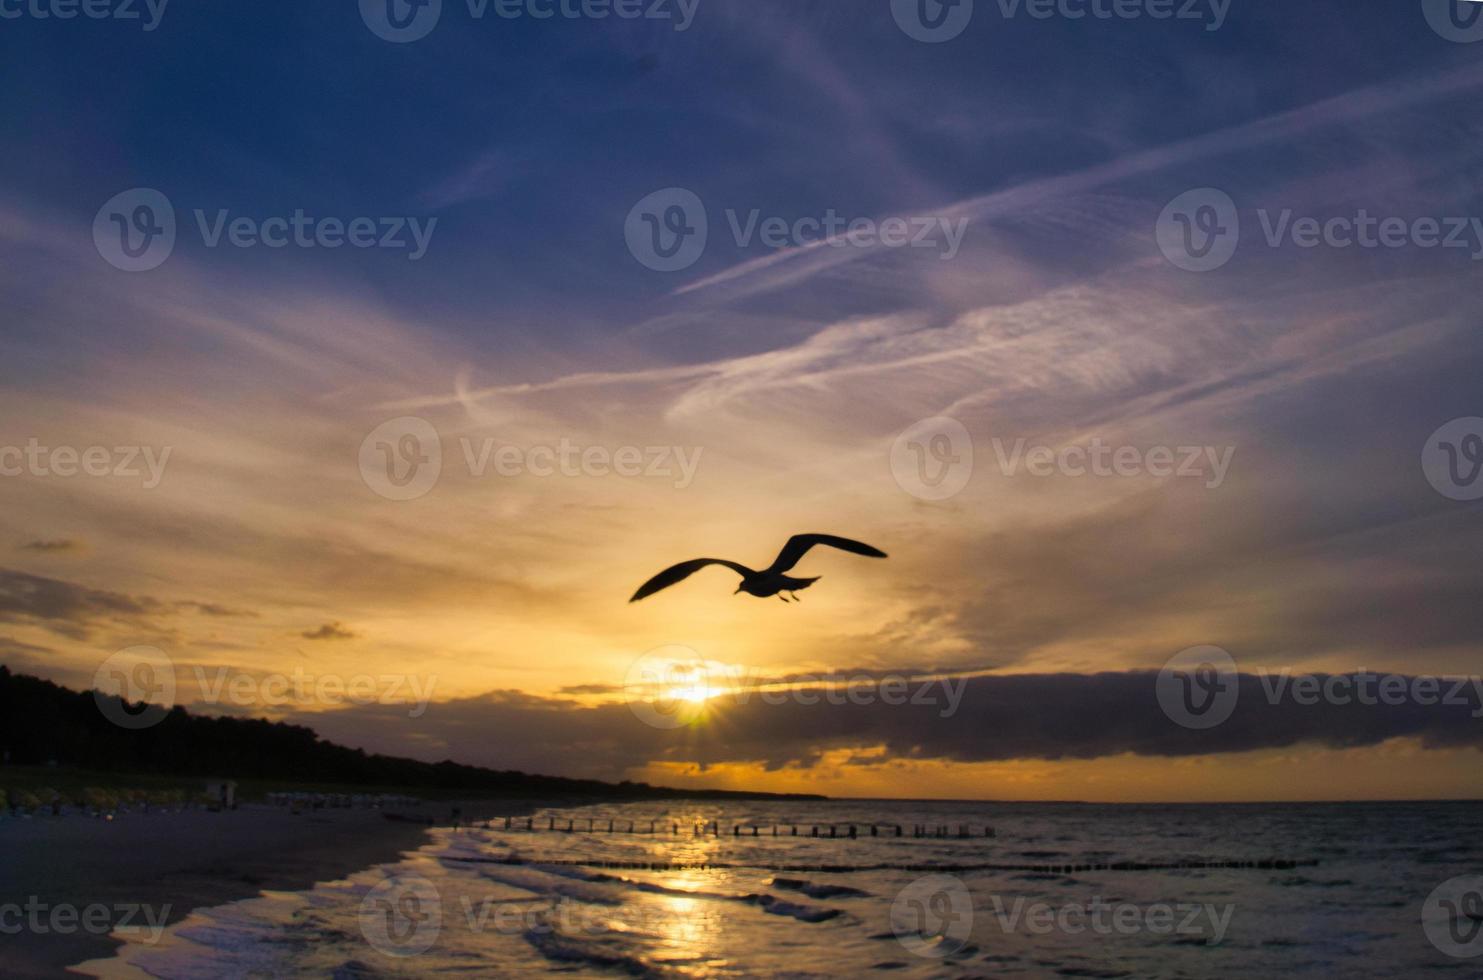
1038, 716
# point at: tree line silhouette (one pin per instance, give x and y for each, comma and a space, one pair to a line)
42, 723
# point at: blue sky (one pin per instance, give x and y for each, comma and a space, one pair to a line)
529, 139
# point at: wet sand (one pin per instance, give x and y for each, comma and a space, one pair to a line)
155, 868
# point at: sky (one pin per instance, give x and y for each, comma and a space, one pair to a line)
432, 464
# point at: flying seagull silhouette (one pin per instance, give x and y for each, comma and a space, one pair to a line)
768, 582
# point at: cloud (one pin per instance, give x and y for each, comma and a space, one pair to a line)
66, 607
330, 631
999, 717
29, 658
76, 611
489, 174
52, 546
214, 609
577, 690
788, 267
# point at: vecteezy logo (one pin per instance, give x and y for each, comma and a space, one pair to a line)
135, 230
401, 21
402, 459
1453, 917
1453, 459
1459, 21
933, 460
1198, 687
667, 230
1199, 230
668, 686
138, 675
932, 21
933, 916
402, 916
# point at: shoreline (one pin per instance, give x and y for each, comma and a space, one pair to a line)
154, 869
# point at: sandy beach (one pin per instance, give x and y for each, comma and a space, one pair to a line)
66, 883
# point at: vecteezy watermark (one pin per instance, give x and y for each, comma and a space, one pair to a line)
1459, 21
673, 686
933, 916
1370, 689
402, 916
933, 459
148, 13
859, 689
932, 21
1210, 13
405, 914
912, 231
41, 918
37, 460
1453, 917
402, 459
397, 233
403, 21
1364, 230
300, 689
1200, 230
137, 687
675, 463
565, 917
1198, 687
1100, 459
1453, 459
667, 687
668, 230
1103, 918
935, 21
136, 231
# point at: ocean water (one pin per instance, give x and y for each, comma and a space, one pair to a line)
1393, 894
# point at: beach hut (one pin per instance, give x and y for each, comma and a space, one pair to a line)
223, 791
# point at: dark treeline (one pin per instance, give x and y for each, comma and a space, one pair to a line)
42, 723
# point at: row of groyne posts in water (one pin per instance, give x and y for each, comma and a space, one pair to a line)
712, 828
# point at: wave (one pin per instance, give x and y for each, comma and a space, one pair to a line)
813, 890
598, 952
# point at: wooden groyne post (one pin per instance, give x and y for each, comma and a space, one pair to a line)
703, 828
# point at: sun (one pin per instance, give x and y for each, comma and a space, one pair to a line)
672, 687
696, 693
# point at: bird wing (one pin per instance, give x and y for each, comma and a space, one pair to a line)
682, 571
799, 544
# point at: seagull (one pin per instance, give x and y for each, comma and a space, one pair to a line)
768, 582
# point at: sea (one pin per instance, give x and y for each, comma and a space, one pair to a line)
687, 889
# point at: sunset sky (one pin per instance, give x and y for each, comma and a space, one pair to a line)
783, 376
